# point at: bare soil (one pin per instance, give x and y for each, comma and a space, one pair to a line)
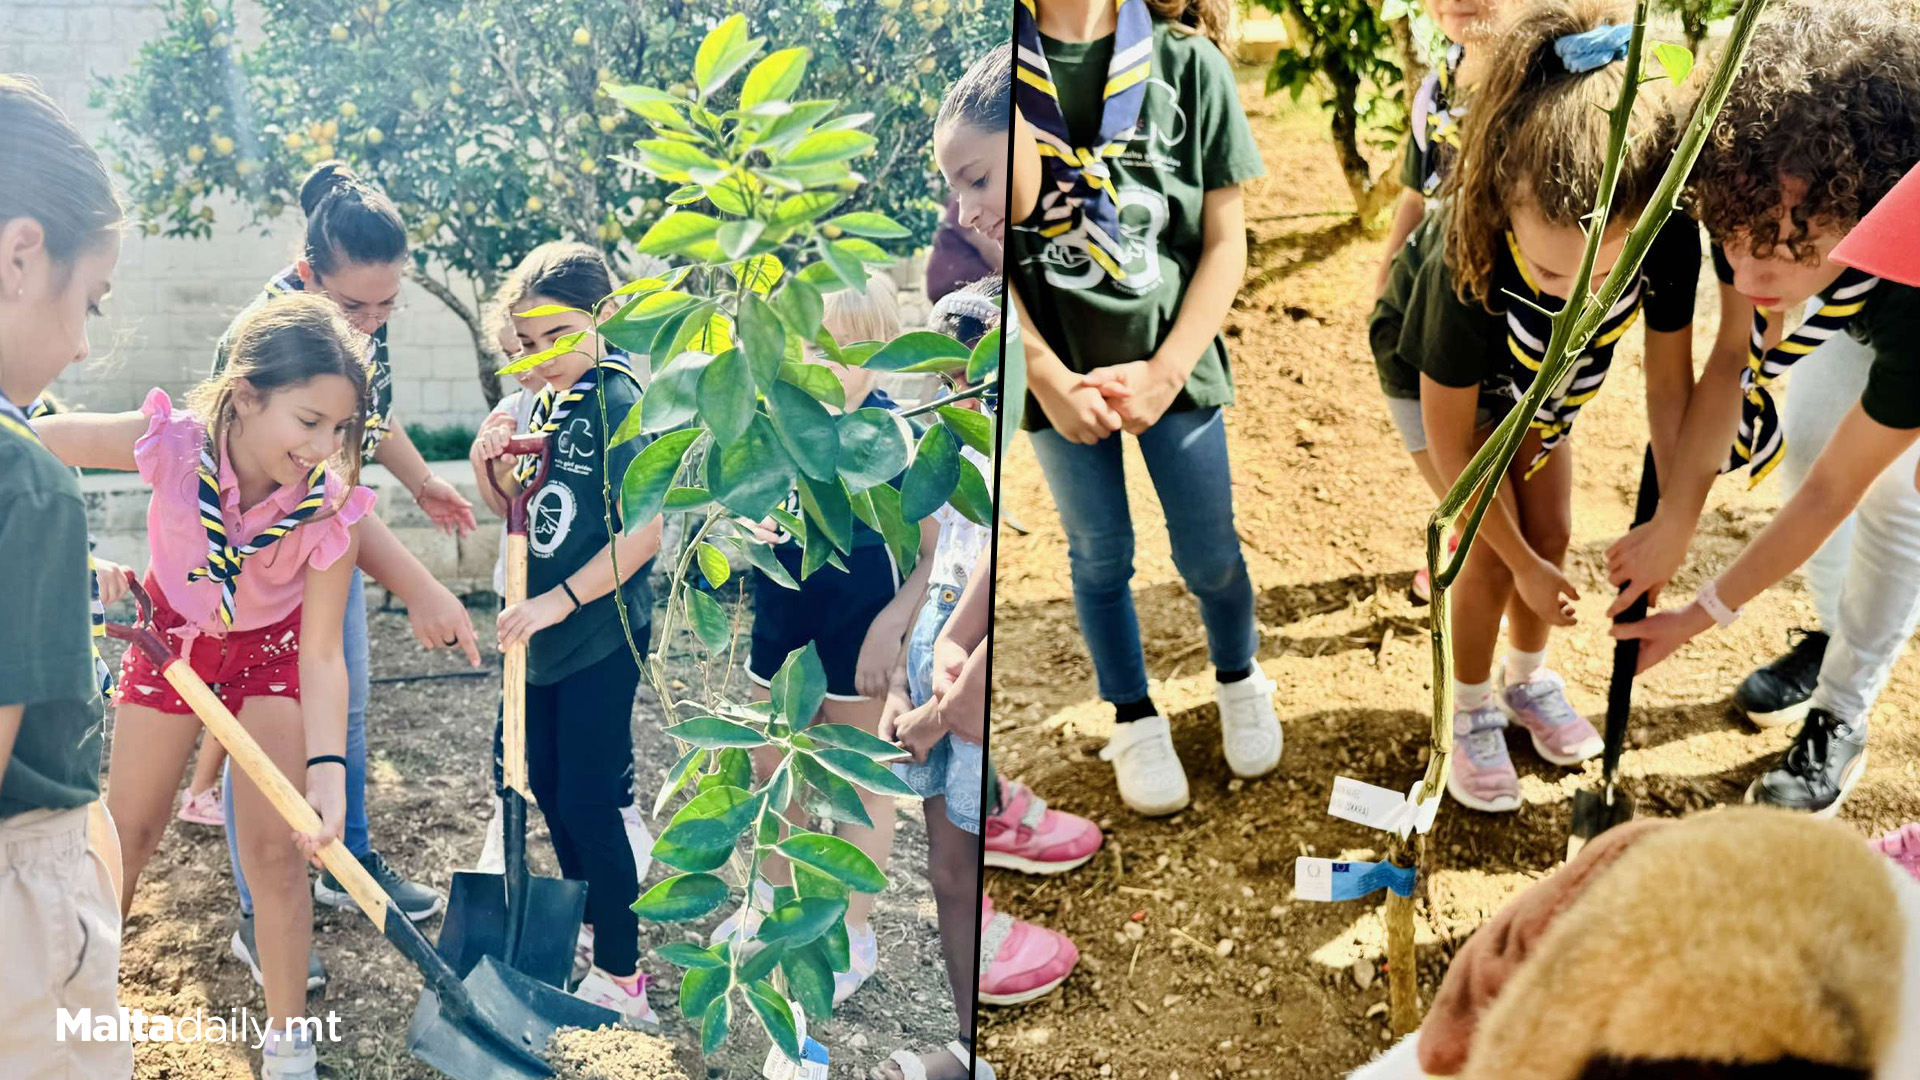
1232, 977
428, 802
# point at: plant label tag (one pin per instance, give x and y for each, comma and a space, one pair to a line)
1364, 804
1327, 880
1423, 813
812, 1066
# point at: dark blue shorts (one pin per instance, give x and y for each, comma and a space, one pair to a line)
831, 609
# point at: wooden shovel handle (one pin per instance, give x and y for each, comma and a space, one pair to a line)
291, 804
513, 709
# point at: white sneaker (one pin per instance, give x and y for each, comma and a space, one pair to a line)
640, 839
863, 948
1146, 766
1249, 732
752, 914
493, 853
600, 988
289, 1057
582, 955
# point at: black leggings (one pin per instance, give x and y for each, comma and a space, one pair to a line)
580, 767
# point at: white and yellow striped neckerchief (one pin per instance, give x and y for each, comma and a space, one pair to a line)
550, 409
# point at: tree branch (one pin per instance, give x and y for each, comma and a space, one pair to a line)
483, 354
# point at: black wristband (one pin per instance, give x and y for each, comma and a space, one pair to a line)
323, 759
570, 594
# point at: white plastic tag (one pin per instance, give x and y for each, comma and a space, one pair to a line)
1364, 804
1423, 814
813, 1063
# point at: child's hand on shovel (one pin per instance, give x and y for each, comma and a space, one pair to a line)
327, 794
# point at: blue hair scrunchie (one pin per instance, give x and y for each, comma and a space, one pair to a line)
1593, 49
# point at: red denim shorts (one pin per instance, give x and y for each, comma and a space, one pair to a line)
243, 664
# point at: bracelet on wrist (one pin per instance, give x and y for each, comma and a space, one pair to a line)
570, 594
326, 759
1709, 600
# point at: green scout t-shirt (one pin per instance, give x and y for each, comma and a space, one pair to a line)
1889, 324
1191, 138
566, 529
46, 638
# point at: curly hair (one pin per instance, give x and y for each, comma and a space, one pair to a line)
1830, 97
1537, 134
1214, 18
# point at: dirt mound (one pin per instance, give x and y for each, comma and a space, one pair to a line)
612, 1054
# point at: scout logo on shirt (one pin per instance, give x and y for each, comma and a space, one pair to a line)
1143, 217
550, 518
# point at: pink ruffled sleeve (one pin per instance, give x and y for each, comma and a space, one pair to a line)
172, 442
335, 532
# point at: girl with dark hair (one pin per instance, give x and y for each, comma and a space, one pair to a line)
59, 858
253, 598
1455, 352
353, 255
1129, 150
1820, 125
581, 676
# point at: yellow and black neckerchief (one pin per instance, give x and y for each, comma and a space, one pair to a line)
1528, 331
223, 559
1761, 438
550, 410
1080, 192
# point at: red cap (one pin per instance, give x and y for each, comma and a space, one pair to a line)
1886, 243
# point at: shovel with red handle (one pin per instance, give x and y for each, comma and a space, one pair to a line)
492, 1024
529, 923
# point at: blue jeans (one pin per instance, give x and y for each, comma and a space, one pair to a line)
953, 767
353, 640
1186, 455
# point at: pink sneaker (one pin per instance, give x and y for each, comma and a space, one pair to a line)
202, 809
1018, 960
1560, 733
1902, 846
1027, 836
1479, 773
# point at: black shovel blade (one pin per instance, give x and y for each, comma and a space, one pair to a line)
1593, 815
513, 1019
481, 923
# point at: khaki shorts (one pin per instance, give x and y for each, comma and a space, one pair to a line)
59, 944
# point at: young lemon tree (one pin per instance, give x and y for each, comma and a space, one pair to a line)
745, 428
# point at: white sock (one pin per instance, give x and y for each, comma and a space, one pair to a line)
1521, 665
1470, 696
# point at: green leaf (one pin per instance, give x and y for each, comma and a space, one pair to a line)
709, 621
916, 348
549, 309
823, 147
776, 1017
779, 791
800, 209
828, 508
762, 339
903, 539
727, 398
687, 498
800, 686
694, 859
850, 272
715, 733
678, 232
806, 429
973, 428
864, 771
801, 921
837, 945
630, 426
759, 958
848, 737
791, 126
715, 1025
760, 273
818, 381
713, 564
931, 477
686, 195
800, 308
835, 858
971, 497
688, 955
985, 359
774, 78
729, 195
865, 250
681, 898
701, 987
874, 447
723, 52
688, 766
736, 238
879, 226
735, 767
762, 557
753, 475
643, 490
821, 276
824, 795
713, 820
561, 347
1675, 60
814, 550
809, 979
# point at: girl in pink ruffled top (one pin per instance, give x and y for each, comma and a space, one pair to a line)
252, 595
